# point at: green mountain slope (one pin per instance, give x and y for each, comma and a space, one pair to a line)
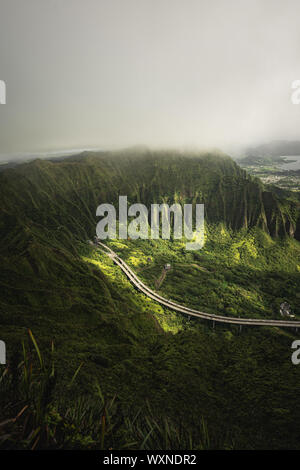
66, 193
243, 385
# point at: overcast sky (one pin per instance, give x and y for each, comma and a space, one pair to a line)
114, 73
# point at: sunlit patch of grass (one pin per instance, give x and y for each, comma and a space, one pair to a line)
116, 244
137, 261
106, 265
170, 321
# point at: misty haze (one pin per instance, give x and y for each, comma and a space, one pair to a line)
112, 74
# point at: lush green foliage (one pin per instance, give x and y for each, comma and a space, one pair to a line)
243, 273
235, 390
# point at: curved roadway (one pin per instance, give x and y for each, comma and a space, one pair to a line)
189, 311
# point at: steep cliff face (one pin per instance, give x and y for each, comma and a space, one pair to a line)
65, 194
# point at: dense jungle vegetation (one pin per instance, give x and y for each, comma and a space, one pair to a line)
92, 363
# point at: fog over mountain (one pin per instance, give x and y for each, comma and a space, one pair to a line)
108, 74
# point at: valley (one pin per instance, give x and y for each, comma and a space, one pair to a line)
118, 352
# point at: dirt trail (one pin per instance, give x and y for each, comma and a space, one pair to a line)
161, 279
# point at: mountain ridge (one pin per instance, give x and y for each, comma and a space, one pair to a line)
72, 188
